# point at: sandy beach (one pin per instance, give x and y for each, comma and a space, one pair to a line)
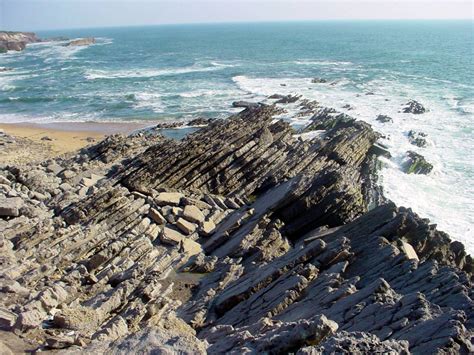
29, 142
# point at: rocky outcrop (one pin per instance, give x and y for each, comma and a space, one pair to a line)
16, 41
318, 81
81, 42
414, 107
416, 164
242, 237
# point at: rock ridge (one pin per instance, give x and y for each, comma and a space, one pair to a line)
244, 237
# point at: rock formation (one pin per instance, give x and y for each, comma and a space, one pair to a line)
414, 107
16, 41
81, 42
242, 237
416, 164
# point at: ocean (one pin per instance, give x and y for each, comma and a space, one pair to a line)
188, 71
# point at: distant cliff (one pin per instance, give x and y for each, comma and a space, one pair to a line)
16, 41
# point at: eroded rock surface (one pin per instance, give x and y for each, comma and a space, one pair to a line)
242, 237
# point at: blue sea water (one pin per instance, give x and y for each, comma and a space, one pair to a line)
189, 71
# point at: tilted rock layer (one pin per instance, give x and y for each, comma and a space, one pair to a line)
244, 237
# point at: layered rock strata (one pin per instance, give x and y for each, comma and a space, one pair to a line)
245, 236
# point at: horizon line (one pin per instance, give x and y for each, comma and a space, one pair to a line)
249, 22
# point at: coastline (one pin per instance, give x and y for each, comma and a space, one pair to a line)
30, 142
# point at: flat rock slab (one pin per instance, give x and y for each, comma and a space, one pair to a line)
171, 236
168, 198
185, 226
193, 214
10, 207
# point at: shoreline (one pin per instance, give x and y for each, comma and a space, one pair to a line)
29, 142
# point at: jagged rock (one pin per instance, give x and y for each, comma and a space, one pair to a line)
416, 164
318, 81
413, 107
384, 118
357, 343
288, 99
293, 228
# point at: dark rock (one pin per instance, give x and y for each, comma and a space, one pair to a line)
417, 138
384, 118
416, 164
245, 104
318, 81
414, 107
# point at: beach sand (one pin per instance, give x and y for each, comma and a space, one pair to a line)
28, 142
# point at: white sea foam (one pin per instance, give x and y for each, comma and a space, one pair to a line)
149, 100
448, 134
93, 74
321, 62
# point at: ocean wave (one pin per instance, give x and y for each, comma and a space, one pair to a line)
94, 74
321, 62
148, 100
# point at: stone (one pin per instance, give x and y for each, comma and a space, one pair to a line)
207, 228
168, 198
185, 226
245, 104
409, 251
193, 214
79, 319
171, 236
10, 207
7, 319
156, 216
30, 319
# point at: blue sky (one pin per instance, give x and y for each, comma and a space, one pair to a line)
61, 14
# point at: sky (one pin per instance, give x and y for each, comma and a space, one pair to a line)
62, 14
